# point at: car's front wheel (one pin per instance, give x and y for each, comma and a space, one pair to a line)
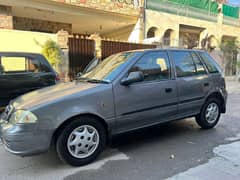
210, 114
81, 141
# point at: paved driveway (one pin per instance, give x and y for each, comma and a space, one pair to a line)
178, 150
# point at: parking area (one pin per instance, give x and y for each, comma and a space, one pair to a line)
172, 151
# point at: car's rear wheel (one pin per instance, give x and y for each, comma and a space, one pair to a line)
81, 141
210, 114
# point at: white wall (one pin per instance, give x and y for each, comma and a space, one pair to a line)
23, 41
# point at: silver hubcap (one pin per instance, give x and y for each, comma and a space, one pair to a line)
212, 113
83, 141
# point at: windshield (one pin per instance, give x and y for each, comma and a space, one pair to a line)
109, 68
91, 65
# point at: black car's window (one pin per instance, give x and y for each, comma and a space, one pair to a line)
11, 64
155, 66
184, 64
199, 65
211, 64
45, 67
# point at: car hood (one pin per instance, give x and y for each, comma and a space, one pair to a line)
51, 93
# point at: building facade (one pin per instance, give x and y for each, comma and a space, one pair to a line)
110, 18
193, 24
175, 24
167, 23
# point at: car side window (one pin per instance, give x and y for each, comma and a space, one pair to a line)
17, 64
45, 68
184, 64
211, 64
199, 65
155, 66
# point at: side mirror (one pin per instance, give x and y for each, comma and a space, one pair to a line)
78, 75
132, 78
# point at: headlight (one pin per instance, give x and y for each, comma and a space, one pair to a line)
22, 117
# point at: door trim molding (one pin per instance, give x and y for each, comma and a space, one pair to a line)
150, 108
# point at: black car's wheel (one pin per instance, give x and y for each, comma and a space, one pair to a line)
210, 114
81, 141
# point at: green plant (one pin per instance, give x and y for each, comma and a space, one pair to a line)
52, 52
230, 49
230, 46
238, 64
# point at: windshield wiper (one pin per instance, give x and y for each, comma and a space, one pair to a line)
97, 81
83, 79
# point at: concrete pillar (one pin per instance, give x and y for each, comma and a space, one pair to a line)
63, 67
175, 37
202, 37
98, 44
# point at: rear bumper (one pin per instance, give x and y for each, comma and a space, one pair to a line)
225, 97
24, 140
2, 109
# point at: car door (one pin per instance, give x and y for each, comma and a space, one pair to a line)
20, 75
192, 82
148, 102
214, 70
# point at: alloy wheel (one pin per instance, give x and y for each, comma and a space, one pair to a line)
83, 141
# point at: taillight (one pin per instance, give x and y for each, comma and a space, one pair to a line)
224, 83
57, 77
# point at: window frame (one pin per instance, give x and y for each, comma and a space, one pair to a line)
171, 76
200, 60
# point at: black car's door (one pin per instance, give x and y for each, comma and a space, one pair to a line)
20, 74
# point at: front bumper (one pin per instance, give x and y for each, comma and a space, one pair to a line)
24, 140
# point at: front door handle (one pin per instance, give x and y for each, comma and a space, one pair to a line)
168, 90
206, 84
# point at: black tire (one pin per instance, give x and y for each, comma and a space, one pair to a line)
61, 143
201, 118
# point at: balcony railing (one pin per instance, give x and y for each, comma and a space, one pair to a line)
181, 10
231, 21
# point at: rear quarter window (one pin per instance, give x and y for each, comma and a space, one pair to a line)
45, 66
212, 65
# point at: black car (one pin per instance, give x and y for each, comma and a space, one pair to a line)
23, 72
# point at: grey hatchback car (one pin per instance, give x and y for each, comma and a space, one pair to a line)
126, 91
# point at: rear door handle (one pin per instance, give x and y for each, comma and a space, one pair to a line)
206, 84
168, 90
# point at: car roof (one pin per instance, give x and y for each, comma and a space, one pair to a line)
19, 53
166, 49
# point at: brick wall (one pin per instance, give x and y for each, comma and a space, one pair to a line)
6, 21
27, 24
